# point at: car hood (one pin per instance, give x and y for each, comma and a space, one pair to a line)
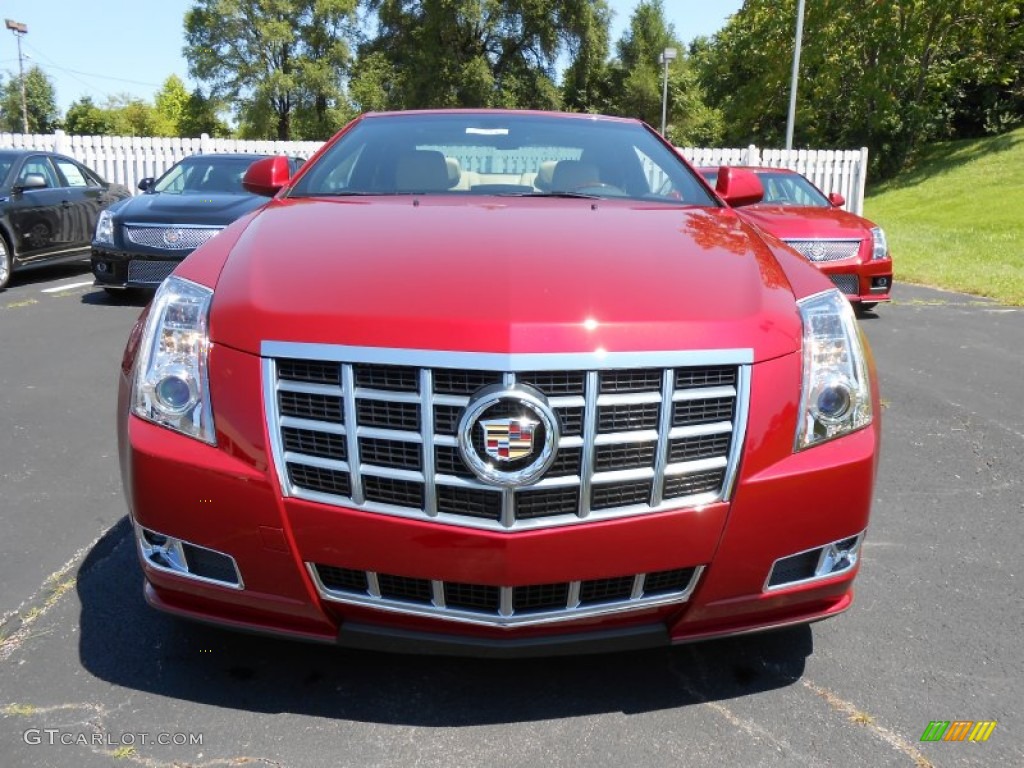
527, 275
789, 222
189, 208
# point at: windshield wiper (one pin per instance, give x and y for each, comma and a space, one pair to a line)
572, 195
348, 193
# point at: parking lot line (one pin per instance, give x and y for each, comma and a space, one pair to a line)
67, 287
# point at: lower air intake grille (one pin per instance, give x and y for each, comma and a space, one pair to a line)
501, 606
142, 272
848, 284
377, 430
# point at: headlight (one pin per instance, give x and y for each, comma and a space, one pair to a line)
836, 397
105, 228
171, 384
879, 245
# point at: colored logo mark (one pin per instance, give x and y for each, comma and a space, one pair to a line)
958, 730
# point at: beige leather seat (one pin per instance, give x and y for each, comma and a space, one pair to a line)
545, 174
571, 175
422, 170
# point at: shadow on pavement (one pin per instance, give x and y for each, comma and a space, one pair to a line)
128, 644
127, 298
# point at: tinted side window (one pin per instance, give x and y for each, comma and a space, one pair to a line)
74, 174
41, 165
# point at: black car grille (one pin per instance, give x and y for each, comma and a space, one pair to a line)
383, 437
169, 238
488, 604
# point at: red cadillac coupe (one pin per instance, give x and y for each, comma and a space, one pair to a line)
848, 248
498, 383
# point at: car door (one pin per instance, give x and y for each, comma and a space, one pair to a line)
84, 197
37, 214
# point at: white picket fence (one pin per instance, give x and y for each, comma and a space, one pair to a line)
128, 159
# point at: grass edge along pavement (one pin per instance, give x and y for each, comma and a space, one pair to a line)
956, 219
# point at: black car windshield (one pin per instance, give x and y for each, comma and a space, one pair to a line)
222, 175
506, 154
790, 189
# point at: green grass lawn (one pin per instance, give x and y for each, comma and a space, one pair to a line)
956, 221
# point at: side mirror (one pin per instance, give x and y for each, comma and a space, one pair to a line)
738, 186
146, 183
837, 200
31, 181
267, 176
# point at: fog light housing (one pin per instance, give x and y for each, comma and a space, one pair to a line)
815, 564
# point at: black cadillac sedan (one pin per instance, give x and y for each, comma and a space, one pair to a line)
49, 206
139, 242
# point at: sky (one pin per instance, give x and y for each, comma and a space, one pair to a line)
101, 48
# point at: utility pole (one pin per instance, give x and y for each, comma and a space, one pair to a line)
20, 30
791, 120
669, 54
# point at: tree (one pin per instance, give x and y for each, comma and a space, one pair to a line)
638, 80
84, 118
886, 75
40, 102
171, 103
201, 115
273, 58
475, 53
132, 116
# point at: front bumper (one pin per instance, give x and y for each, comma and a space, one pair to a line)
115, 268
227, 499
867, 282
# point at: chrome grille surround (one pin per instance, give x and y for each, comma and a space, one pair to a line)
496, 606
848, 284
326, 399
820, 250
144, 272
185, 238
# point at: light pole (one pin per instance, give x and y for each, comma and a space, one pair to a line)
669, 54
791, 119
20, 29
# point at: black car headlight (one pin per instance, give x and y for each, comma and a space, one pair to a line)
836, 396
171, 382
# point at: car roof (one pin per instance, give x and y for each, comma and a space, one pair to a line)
754, 168
409, 113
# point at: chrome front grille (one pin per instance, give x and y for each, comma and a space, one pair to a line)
142, 272
170, 238
504, 606
377, 430
825, 250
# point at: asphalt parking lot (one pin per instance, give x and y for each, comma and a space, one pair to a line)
90, 676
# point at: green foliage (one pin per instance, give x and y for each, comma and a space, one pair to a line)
171, 103
84, 118
886, 75
953, 221
40, 103
201, 115
131, 116
476, 53
638, 80
279, 63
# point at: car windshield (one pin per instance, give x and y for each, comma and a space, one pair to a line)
6, 161
529, 155
790, 189
222, 175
